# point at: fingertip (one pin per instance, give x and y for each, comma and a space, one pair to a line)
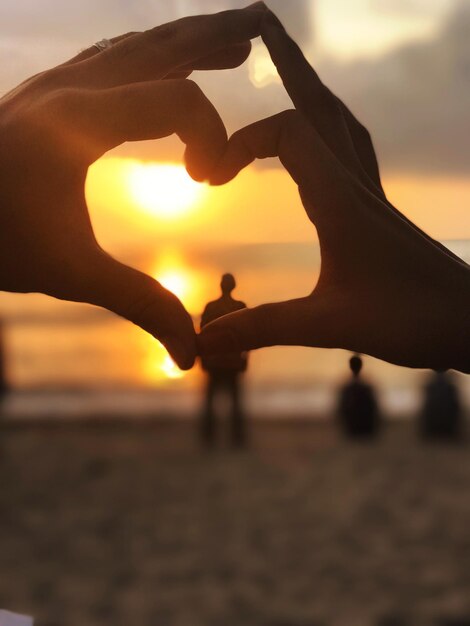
187, 364
201, 160
184, 355
201, 165
238, 55
196, 172
218, 177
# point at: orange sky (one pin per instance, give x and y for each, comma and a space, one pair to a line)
261, 205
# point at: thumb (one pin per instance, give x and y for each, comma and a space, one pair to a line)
142, 300
300, 322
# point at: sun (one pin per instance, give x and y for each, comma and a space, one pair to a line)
163, 190
170, 369
175, 281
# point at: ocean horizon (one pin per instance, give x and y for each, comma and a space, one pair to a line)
69, 359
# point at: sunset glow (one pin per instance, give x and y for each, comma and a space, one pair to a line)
159, 366
175, 281
170, 369
163, 190
174, 272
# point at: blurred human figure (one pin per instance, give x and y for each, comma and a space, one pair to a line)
441, 414
224, 372
358, 410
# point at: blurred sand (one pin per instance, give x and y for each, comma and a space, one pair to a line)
131, 524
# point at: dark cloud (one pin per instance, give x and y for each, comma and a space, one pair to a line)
415, 100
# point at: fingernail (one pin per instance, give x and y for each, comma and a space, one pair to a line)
217, 342
177, 350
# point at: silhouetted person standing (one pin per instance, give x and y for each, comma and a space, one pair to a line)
358, 410
224, 372
441, 415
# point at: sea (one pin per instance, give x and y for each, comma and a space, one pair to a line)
69, 361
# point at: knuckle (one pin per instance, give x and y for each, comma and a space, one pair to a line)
62, 103
164, 32
124, 49
52, 79
221, 22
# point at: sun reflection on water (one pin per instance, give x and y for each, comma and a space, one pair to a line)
158, 364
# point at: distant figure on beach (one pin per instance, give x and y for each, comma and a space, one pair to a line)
441, 414
358, 411
224, 372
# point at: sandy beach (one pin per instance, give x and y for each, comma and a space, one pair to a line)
131, 523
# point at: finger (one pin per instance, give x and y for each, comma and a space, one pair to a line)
308, 93
226, 58
222, 60
107, 118
301, 322
346, 136
193, 42
329, 194
140, 299
286, 135
92, 51
363, 146
300, 149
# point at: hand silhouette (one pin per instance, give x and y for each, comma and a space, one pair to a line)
56, 124
385, 287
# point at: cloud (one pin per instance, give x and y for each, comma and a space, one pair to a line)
415, 100
38, 35
409, 8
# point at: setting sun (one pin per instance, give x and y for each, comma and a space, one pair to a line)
175, 281
170, 369
163, 189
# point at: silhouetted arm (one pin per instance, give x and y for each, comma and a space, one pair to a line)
385, 287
